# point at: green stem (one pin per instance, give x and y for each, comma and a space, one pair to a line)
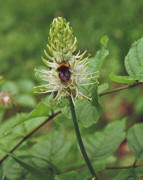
134, 164
85, 156
121, 88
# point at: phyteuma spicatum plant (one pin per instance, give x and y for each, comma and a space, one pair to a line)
67, 70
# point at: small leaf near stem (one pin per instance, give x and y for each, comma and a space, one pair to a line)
79, 138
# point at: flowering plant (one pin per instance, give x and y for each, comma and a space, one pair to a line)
52, 154
67, 70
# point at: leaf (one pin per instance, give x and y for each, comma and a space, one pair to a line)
100, 165
127, 174
103, 144
97, 61
100, 57
140, 74
42, 110
76, 175
103, 87
122, 79
2, 177
12, 170
88, 113
13, 137
134, 60
124, 174
11, 134
41, 175
135, 140
54, 146
139, 171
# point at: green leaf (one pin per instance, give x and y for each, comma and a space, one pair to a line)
97, 61
135, 140
76, 175
140, 74
2, 177
100, 165
87, 113
103, 144
14, 136
124, 174
12, 170
34, 170
134, 60
54, 146
139, 171
42, 110
122, 79
91, 111
127, 174
103, 87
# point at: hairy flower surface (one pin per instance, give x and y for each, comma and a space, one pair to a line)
67, 70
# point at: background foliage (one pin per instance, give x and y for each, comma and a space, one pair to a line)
52, 153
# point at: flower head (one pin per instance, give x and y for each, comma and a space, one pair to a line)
67, 70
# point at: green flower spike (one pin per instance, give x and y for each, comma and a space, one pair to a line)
67, 70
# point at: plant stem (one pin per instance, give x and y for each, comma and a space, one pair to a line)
83, 151
83, 166
121, 88
29, 135
134, 164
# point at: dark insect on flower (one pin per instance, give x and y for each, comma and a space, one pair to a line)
64, 72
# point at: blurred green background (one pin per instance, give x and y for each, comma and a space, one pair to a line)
24, 27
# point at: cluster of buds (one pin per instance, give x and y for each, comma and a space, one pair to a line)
61, 41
